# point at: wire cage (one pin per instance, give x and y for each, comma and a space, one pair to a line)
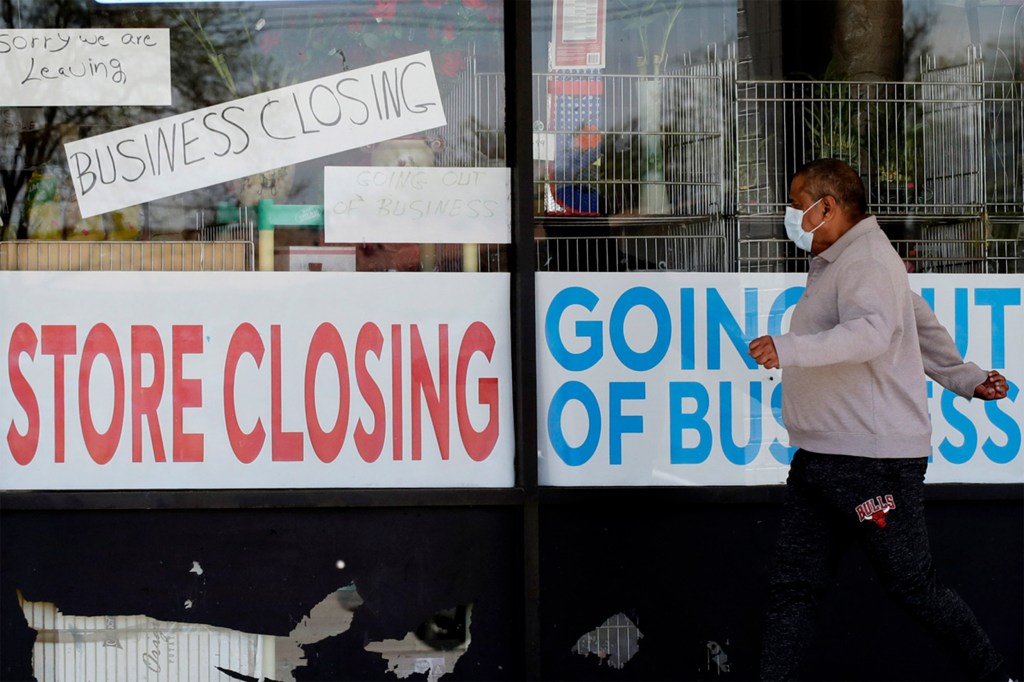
689, 245
631, 145
607, 144
926, 244
470, 257
762, 246
230, 224
940, 247
1004, 146
475, 110
918, 145
1005, 244
630, 173
474, 137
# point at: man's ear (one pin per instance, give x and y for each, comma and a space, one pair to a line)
828, 205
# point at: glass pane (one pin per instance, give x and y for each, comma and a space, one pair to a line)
192, 166
631, 133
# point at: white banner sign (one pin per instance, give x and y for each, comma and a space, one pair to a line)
42, 67
405, 204
228, 380
255, 134
644, 379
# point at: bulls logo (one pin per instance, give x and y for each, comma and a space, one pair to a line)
875, 509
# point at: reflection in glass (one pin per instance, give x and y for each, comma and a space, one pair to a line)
223, 52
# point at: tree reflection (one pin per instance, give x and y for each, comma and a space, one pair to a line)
218, 52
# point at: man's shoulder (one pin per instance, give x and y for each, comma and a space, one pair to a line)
870, 250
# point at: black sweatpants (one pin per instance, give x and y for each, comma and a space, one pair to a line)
833, 499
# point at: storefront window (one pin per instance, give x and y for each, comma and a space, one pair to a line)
945, 30
151, 122
631, 133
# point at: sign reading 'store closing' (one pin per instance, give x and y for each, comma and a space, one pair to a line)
254, 134
379, 380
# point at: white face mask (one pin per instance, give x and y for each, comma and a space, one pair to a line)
794, 222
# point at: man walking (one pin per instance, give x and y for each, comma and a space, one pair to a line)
854, 402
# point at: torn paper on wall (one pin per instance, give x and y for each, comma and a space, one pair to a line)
84, 648
614, 642
123, 648
332, 616
717, 658
433, 649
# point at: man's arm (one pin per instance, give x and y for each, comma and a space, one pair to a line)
869, 303
942, 360
992, 388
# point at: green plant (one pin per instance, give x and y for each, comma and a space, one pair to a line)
653, 21
878, 138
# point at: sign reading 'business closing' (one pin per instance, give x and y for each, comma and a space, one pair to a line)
254, 134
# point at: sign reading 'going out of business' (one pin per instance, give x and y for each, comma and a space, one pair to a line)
420, 205
644, 379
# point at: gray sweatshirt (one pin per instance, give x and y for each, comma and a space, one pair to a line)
858, 349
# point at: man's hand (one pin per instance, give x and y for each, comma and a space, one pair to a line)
993, 388
762, 349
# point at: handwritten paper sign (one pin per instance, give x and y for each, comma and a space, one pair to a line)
85, 67
255, 134
404, 204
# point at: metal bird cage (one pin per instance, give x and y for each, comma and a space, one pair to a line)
628, 145
926, 245
689, 245
917, 145
1004, 147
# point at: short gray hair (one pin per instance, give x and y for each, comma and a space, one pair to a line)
837, 179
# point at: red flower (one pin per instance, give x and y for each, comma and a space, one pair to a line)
434, 4
587, 138
449, 32
451, 63
475, 4
384, 10
268, 41
495, 13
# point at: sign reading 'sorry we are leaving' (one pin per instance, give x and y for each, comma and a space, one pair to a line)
254, 134
42, 67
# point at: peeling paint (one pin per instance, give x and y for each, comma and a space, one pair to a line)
113, 648
196, 590
432, 649
717, 658
614, 642
332, 616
